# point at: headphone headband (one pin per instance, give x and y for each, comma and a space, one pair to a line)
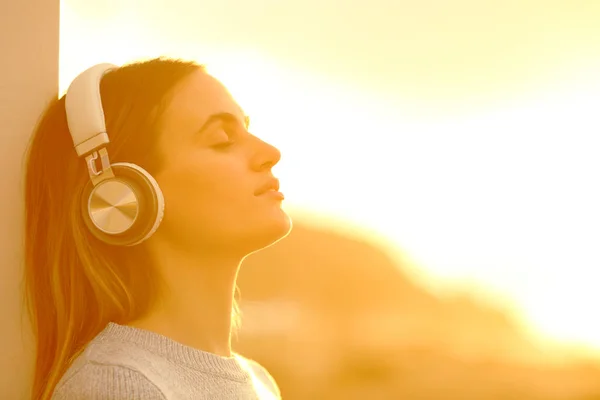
85, 116
122, 204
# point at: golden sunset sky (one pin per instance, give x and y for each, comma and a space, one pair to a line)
465, 133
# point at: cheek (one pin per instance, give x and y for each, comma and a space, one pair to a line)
205, 190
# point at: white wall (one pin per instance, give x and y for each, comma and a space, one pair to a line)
28, 79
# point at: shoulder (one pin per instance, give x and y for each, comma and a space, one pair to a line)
93, 381
261, 375
108, 370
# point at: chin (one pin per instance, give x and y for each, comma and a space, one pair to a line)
271, 232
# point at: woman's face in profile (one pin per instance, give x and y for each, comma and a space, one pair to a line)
215, 175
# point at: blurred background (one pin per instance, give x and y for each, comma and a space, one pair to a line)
440, 164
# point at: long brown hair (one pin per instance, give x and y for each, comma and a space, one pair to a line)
75, 284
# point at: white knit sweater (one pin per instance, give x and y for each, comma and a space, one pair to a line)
125, 363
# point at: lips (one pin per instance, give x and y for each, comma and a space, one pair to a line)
272, 185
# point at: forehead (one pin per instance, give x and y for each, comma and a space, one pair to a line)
195, 99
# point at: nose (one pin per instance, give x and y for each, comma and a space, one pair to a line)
266, 156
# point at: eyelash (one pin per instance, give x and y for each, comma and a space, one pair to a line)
223, 146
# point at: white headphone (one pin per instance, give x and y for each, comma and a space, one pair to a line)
122, 204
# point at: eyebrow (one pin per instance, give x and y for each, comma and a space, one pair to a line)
223, 117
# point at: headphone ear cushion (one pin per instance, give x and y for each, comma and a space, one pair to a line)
150, 206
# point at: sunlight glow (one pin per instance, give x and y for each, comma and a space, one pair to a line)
503, 198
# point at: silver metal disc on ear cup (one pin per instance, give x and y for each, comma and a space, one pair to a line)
124, 210
113, 206
159, 200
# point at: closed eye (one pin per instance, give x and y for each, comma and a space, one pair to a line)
223, 145
222, 130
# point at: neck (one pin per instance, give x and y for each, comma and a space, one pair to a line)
195, 301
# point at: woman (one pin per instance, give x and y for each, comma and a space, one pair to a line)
149, 315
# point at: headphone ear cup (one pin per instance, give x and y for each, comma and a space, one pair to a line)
145, 206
